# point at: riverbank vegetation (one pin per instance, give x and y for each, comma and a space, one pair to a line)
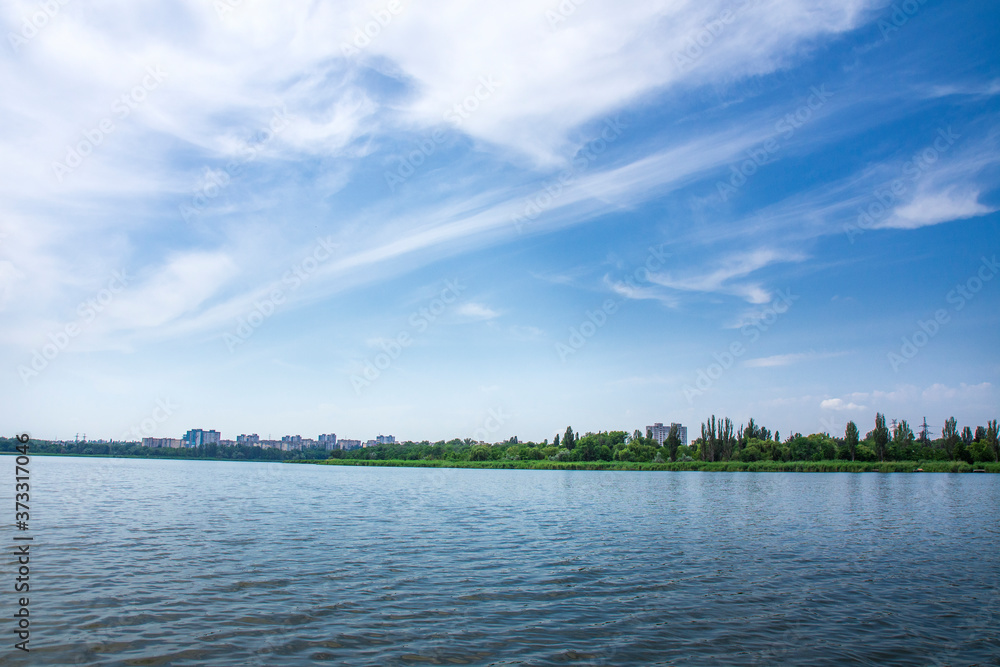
720, 442
720, 446
704, 466
136, 450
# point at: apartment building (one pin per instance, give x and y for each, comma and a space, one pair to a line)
659, 432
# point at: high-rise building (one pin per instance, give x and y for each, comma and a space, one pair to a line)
349, 444
385, 439
162, 442
290, 442
659, 432
328, 441
244, 439
197, 437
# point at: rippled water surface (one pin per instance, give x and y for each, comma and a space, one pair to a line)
140, 562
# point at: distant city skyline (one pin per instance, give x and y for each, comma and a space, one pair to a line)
262, 222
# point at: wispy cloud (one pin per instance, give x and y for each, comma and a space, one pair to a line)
477, 311
723, 280
788, 359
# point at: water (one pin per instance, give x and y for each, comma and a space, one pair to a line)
140, 562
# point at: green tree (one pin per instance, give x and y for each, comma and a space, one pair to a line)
555, 441
586, 448
569, 440
851, 438
992, 439
726, 439
980, 452
673, 441
636, 450
880, 436
709, 443
950, 436
903, 435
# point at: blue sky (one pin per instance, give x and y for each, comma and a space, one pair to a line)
497, 220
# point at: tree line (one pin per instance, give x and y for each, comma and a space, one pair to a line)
719, 440
135, 449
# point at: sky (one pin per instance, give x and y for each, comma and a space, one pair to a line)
443, 219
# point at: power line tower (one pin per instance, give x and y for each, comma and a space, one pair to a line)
924, 432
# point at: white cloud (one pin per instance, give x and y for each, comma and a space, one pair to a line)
526, 332
788, 359
477, 311
839, 404
555, 77
934, 208
942, 392
721, 280
178, 288
913, 403
778, 360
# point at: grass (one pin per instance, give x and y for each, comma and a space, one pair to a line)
717, 466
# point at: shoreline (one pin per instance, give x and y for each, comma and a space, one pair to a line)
625, 466
681, 466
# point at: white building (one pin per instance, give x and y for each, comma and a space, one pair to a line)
659, 432
197, 437
162, 442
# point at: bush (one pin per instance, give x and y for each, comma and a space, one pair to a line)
981, 452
